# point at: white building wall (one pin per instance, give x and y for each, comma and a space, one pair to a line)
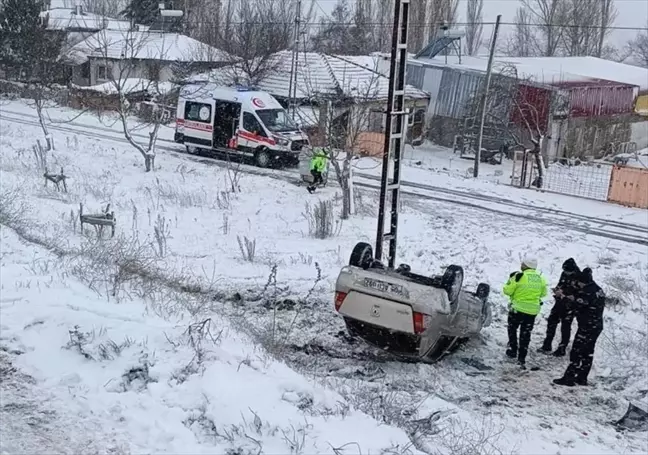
639, 134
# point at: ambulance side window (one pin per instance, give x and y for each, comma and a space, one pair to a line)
251, 124
198, 112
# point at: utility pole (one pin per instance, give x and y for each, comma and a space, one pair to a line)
394, 132
292, 88
484, 100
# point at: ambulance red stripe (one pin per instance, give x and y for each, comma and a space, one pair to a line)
256, 137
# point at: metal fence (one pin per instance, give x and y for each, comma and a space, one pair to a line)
583, 179
601, 181
588, 180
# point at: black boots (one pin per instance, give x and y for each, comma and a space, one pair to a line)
565, 381
511, 353
546, 348
560, 352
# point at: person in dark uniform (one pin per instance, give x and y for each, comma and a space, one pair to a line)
588, 304
562, 312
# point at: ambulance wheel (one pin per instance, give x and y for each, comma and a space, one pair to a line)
191, 150
452, 281
262, 158
361, 256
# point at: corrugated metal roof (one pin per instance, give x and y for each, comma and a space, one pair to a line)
149, 45
318, 75
555, 71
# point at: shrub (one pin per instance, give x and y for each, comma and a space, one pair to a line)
321, 220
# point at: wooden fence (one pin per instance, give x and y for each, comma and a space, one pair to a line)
629, 186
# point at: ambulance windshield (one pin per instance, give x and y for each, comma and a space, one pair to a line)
276, 120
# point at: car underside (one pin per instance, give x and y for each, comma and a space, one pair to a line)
405, 313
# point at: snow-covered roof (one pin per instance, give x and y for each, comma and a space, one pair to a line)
131, 85
149, 45
554, 70
67, 18
317, 75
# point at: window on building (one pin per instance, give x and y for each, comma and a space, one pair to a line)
376, 122
102, 73
251, 124
198, 112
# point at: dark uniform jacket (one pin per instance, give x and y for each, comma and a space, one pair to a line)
589, 306
566, 284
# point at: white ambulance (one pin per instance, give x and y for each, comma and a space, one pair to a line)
237, 120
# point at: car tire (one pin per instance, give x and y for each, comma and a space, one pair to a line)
262, 158
483, 291
452, 281
361, 256
192, 150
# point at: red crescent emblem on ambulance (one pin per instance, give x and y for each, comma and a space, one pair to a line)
258, 103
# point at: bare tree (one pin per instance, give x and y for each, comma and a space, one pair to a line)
579, 35
637, 50
203, 21
253, 31
549, 17
348, 30
29, 54
474, 27
520, 111
608, 15
383, 12
418, 24
342, 117
522, 42
427, 17
127, 77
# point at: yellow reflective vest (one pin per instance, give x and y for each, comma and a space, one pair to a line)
526, 290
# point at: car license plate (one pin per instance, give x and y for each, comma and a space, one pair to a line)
389, 288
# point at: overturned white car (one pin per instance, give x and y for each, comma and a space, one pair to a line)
408, 314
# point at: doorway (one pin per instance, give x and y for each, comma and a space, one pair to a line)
226, 121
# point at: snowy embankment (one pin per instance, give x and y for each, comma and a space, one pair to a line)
197, 242
83, 374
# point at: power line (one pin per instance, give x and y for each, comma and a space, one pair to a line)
421, 25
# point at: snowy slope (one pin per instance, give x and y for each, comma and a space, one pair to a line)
137, 383
472, 402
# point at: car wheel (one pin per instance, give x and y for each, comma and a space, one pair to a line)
262, 158
452, 281
191, 150
361, 256
483, 291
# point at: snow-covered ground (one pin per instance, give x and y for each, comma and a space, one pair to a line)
428, 164
196, 241
85, 374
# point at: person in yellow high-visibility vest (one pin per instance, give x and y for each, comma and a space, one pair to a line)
526, 290
318, 165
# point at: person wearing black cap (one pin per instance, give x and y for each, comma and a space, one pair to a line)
589, 303
562, 310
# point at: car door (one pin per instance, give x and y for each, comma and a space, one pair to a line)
226, 120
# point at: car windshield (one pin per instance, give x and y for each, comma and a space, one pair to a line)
276, 120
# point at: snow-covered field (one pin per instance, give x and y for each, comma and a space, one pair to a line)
202, 248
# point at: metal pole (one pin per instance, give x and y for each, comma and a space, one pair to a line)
394, 132
484, 100
292, 88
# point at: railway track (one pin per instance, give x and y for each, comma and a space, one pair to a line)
610, 229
